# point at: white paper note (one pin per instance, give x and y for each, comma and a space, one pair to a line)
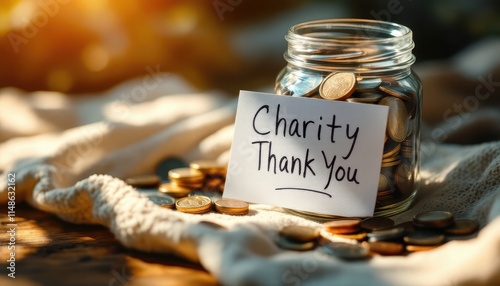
306, 154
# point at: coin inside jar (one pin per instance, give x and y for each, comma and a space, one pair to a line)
300, 84
366, 97
194, 204
338, 86
397, 122
368, 84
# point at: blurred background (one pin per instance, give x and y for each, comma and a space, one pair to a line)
85, 46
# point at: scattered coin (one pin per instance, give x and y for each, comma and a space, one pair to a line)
208, 167
390, 234
174, 190
300, 233
359, 236
231, 207
377, 223
290, 244
338, 86
385, 247
417, 248
434, 219
185, 174
462, 227
424, 238
143, 181
345, 250
163, 201
194, 204
187, 177
212, 224
342, 226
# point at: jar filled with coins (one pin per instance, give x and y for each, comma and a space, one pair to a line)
363, 62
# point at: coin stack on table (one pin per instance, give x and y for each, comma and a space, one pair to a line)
196, 189
354, 238
399, 163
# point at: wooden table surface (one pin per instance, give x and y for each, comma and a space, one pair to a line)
50, 251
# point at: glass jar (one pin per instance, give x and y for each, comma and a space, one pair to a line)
379, 54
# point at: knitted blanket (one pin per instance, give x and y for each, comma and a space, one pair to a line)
69, 156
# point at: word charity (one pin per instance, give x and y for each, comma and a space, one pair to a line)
269, 121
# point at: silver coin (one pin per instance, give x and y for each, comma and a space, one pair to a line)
424, 238
162, 200
368, 84
345, 250
290, 244
300, 84
386, 234
365, 97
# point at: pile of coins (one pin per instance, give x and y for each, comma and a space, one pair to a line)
195, 189
398, 169
353, 238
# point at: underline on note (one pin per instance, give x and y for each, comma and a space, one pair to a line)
303, 189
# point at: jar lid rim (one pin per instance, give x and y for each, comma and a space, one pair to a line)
394, 31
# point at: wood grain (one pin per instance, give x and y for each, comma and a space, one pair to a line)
50, 251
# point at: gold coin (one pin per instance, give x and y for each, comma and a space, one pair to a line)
194, 204
338, 86
390, 159
300, 233
404, 179
360, 236
417, 248
185, 174
393, 92
383, 183
342, 226
143, 181
384, 193
392, 152
397, 121
208, 167
232, 207
188, 185
174, 190
391, 163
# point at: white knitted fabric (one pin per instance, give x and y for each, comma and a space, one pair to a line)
72, 152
